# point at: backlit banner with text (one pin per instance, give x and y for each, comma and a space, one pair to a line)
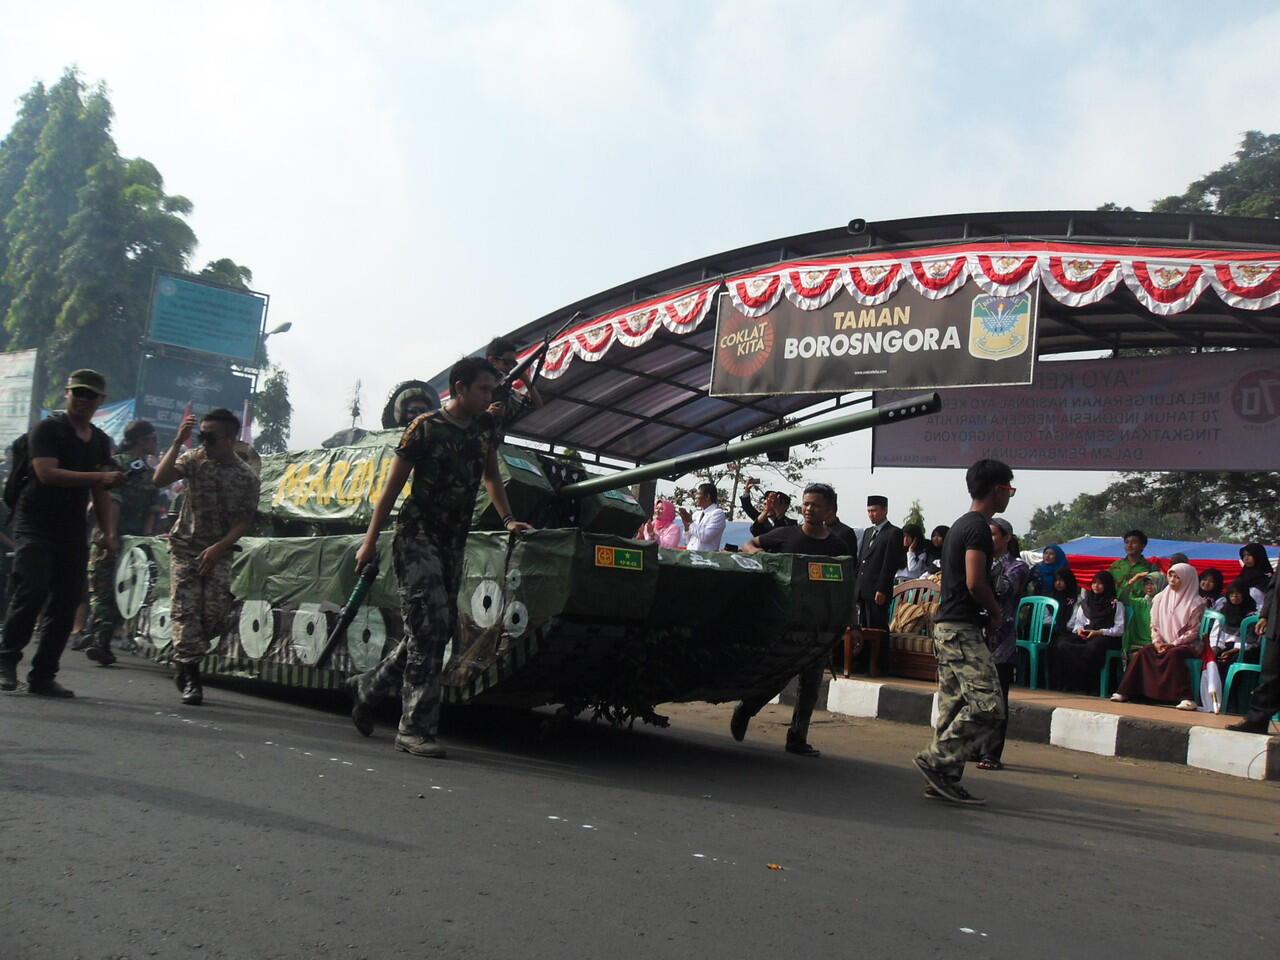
910, 341
1208, 411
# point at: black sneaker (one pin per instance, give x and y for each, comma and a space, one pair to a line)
361, 715
960, 795
8, 675
101, 655
48, 688
938, 780
738, 723
1243, 726
803, 749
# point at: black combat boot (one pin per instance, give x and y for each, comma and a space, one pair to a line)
180, 677
100, 653
193, 692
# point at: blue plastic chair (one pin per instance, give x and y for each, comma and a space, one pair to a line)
1034, 638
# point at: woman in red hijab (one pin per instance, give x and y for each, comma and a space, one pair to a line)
1159, 672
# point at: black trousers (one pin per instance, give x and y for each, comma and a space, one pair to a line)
806, 699
48, 578
873, 615
995, 747
1266, 695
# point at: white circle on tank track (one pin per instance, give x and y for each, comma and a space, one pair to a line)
159, 630
516, 620
486, 603
308, 633
514, 578
135, 579
366, 637
257, 626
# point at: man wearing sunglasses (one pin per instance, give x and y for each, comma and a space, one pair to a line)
221, 499
501, 353
70, 464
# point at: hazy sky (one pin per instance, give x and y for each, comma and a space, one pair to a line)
407, 179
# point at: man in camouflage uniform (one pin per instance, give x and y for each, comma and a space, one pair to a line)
134, 505
221, 499
970, 704
447, 451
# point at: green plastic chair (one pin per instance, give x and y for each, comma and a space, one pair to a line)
1194, 664
1034, 638
1238, 668
1104, 678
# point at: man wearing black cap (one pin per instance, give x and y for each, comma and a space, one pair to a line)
70, 462
880, 556
772, 515
134, 505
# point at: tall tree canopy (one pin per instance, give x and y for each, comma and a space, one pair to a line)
1190, 504
81, 231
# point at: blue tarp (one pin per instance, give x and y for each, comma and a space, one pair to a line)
1114, 547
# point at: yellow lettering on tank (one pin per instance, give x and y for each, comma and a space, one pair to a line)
316, 488
360, 480
337, 474
383, 470
295, 480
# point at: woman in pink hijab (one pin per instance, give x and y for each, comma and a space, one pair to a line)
1159, 672
662, 527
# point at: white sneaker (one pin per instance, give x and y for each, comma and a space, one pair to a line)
1118, 697
1187, 705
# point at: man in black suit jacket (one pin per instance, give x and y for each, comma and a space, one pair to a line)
880, 556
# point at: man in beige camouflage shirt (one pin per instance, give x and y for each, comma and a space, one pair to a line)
221, 498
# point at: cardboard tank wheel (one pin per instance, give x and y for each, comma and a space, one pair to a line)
136, 577
366, 638
307, 633
159, 630
256, 628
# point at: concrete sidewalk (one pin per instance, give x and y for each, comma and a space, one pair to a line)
1076, 722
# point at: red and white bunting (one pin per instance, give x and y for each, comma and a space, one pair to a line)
684, 314
938, 277
681, 313
1165, 287
811, 289
1003, 275
873, 284
1249, 286
1079, 281
755, 296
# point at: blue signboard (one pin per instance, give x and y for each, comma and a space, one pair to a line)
198, 316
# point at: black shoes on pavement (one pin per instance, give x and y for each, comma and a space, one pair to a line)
187, 680
48, 688
945, 787
361, 715
738, 722
1249, 726
803, 749
101, 655
8, 675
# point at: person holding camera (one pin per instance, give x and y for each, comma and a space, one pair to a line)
220, 502
134, 505
69, 464
771, 515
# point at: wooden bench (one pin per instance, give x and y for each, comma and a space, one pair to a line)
910, 654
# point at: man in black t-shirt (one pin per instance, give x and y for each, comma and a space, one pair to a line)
70, 460
970, 705
814, 539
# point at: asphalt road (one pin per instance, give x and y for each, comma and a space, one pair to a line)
263, 826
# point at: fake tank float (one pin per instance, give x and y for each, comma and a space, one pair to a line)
575, 613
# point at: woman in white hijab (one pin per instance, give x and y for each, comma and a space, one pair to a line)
1159, 672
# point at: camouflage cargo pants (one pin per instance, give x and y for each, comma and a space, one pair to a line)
104, 614
970, 706
198, 606
428, 579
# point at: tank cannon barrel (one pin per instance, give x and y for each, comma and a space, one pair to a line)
920, 405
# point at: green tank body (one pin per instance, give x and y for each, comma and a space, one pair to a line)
574, 613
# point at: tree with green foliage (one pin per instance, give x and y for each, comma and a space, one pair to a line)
82, 232
1189, 504
795, 471
915, 515
273, 414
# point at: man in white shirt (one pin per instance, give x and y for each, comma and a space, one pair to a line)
704, 528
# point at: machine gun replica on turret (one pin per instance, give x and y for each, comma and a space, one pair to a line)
576, 613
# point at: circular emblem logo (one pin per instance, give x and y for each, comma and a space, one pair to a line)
745, 344
1255, 397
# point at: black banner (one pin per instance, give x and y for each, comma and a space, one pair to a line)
970, 338
168, 385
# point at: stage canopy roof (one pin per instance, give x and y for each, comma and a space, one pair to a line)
628, 380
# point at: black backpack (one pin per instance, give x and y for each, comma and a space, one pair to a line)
19, 473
